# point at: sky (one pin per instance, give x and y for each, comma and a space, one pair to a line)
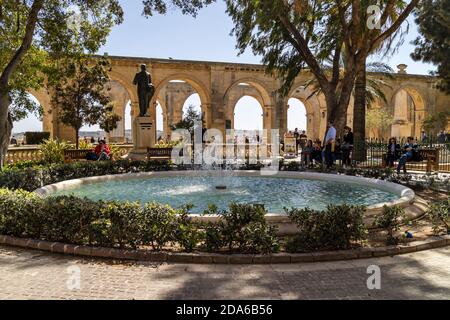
206, 37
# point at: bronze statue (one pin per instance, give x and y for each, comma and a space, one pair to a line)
145, 89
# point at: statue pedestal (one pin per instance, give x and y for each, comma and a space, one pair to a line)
144, 136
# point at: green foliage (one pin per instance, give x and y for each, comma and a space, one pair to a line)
35, 177
123, 223
81, 95
378, 119
128, 225
66, 219
19, 213
158, 225
54, 38
187, 6
189, 120
435, 122
53, 151
85, 145
440, 216
391, 220
432, 45
242, 228
188, 234
36, 137
335, 228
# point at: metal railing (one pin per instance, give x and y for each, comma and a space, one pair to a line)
377, 149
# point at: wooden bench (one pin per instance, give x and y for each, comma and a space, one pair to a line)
159, 153
71, 155
431, 156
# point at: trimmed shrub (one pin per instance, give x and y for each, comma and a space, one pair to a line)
440, 216
336, 228
158, 225
67, 219
243, 228
390, 220
35, 177
121, 224
20, 213
189, 234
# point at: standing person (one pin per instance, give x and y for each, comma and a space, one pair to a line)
347, 147
393, 152
409, 149
442, 137
297, 140
303, 139
329, 145
307, 152
424, 137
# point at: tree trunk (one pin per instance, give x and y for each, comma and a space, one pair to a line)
337, 110
77, 138
5, 118
359, 114
6, 125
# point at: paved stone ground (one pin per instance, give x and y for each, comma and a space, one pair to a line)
26, 274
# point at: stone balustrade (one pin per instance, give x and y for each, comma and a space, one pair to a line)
16, 155
32, 153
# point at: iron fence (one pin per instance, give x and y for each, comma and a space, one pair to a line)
437, 154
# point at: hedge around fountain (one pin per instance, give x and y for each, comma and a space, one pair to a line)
37, 211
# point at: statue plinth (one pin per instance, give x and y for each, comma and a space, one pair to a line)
144, 136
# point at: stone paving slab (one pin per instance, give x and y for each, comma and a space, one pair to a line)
29, 274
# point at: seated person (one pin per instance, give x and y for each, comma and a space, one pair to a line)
100, 153
393, 152
316, 153
410, 149
338, 150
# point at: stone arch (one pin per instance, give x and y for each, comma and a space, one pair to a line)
262, 95
315, 110
198, 86
44, 99
257, 116
408, 118
120, 97
126, 83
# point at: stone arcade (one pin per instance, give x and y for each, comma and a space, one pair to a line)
220, 85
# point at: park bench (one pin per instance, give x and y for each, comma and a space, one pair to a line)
71, 155
431, 156
159, 153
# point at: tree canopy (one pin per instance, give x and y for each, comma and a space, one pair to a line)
82, 95
433, 45
34, 35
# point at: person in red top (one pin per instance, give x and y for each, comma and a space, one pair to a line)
102, 151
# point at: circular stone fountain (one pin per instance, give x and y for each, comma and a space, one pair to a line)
275, 192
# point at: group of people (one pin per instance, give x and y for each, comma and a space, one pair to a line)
331, 150
409, 152
442, 137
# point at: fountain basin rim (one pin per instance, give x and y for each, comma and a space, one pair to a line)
406, 195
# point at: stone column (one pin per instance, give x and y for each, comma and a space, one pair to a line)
401, 127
